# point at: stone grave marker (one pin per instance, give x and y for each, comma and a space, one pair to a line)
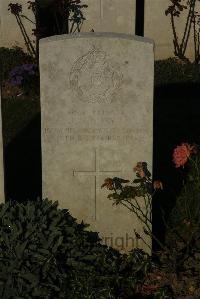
109, 16
97, 122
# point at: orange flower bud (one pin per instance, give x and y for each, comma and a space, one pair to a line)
157, 185
108, 183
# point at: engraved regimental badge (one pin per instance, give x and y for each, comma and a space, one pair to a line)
94, 77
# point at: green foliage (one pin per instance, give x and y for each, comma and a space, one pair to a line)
183, 225
171, 71
120, 280
9, 58
185, 216
44, 253
164, 292
177, 270
29, 239
137, 197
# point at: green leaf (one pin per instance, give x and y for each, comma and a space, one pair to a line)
30, 277
30, 210
136, 181
116, 196
111, 196
58, 243
3, 209
43, 251
118, 183
51, 239
19, 249
89, 258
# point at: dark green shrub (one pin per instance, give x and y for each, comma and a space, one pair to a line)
183, 225
27, 77
39, 246
185, 216
171, 71
44, 253
117, 276
9, 58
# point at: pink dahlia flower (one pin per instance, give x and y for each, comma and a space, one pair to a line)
182, 153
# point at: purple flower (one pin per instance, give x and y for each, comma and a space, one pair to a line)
16, 81
28, 67
16, 71
20, 73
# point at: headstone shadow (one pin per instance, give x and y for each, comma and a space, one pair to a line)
22, 163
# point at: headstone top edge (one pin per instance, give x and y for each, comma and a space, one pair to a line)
97, 35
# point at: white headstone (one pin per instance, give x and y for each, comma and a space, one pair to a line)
109, 16
97, 122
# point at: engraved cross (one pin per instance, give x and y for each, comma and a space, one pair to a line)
96, 172
101, 9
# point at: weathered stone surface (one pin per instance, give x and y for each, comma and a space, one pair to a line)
100, 15
109, 16
10, 34
97, 122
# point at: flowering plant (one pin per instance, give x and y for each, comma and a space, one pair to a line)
181, 262
176, 270
186, 213
182, 154
130, 196
26, 76
16, 10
